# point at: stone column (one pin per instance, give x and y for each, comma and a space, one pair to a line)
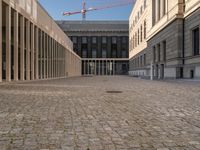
22, 48
47, 61
15, 46
95, 67
106, 68
36, 53
113, 67
1, 41
32, 51
41, 54
44, 58
27, 50
8, 43
99, 67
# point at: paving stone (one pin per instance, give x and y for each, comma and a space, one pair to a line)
78, 113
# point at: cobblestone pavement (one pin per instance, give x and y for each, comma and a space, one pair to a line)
79, 114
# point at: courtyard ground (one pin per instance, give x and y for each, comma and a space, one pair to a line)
100, 113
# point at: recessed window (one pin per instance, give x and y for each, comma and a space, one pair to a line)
94, 53
94, 40
104, 53
195, 41
104, 40
84, 40
114, 40
74, 40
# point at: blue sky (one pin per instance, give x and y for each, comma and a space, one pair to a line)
56, 7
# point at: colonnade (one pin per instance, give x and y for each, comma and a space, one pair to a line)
28, 52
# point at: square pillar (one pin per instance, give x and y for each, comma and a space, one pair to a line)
22, 48
47, 56
8, 43
32, 52
27, 50
15, 46
36, 53
0, 40
44, 58
41, 54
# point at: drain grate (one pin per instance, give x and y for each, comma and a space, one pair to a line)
113, 92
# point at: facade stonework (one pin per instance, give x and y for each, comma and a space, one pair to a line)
172, 49
102, 45
32, 46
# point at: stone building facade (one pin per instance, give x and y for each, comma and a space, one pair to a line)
102, 45
172, 42
32, 46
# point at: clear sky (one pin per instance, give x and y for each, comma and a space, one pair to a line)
56, 7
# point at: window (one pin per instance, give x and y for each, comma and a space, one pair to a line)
104, 40
141, 33
195, 41
114, 53
145, 3
133, 43
135, 39
94, 40
84, 53
114, 40
138, 36
154, 54
158, 52
164, 50
145, 29
94, 53
141, 10
144, 59
74, 40
123, 53
84, 40
104, 53
124, 40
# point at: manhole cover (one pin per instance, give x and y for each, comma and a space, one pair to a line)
113, 91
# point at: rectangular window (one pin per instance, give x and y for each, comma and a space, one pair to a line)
195, 41
74, 40
104, 53
94, 53
144, 59
84, 40
94, 40
164, 50
158, 52
114, 40
154, 54
104, 40
84, 53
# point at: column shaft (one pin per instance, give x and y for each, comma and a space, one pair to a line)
36, 53
15, 46
32, 52
0, 40
27, 50
8, 43
22, 48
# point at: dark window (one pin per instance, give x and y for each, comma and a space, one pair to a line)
84, 40
144, 59
154, 53
145, 29
195, 41
94, 53
158, 52
114, 40
94, 40
74, 40
104, 53
164, 50
104, 40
